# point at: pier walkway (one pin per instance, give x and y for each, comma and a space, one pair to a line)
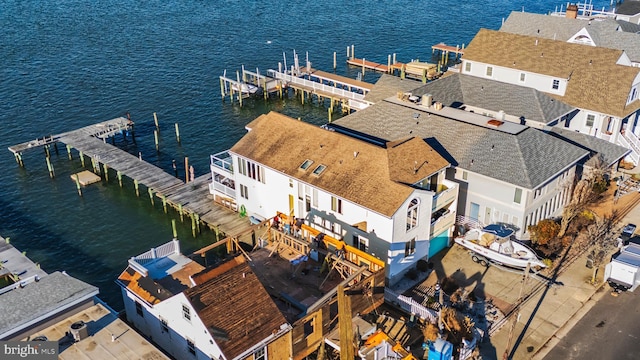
191, 199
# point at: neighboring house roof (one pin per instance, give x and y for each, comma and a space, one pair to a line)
629, 7
527, 158
51, 295
520, 101
236, 309
388, 85
596, 82
610, 152
628, 26
355, 170
604, 33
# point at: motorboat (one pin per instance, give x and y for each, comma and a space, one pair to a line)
494, 242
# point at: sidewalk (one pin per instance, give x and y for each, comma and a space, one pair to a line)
552, 312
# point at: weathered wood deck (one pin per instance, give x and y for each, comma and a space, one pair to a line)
191, 198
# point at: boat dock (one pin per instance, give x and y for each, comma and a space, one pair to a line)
190, 199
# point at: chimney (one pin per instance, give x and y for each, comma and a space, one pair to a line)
572, 11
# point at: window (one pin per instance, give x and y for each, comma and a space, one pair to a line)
164, 325
517, 197
556, 84
242, 166
523, 76
318, 170
191, 347
261, 354
590, 119
412, 214
361, 243
291, 183
308, 328
336, 205
489, 71
467, 66
139, 309
186, 312
305, 165
244, 192
464, 175
410, 247
315, 198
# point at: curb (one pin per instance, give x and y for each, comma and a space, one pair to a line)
562, 331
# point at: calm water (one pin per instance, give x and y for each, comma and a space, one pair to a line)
66, 64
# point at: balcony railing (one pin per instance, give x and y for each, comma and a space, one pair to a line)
225, 190
222, 161
442, 223
445, 196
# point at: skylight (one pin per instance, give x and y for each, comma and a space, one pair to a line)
305, 165
318, 170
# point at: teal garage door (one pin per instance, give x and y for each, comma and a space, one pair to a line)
438, 243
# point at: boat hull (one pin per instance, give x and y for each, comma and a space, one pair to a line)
503, 259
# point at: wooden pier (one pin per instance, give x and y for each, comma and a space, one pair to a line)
191, 199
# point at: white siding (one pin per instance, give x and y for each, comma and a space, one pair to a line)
539, 82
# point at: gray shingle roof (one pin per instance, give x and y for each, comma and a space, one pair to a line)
611, 153
527, 159
603, 32
39, 300
388, 85
628, 26
493, 95
629, 7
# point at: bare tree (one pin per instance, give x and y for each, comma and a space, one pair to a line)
602, 234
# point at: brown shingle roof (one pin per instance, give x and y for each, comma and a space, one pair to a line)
357, 171
236, 309
596, 81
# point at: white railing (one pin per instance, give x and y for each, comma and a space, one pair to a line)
467, 221
442, 223
20, 283
633, 139
224, 190
408, 304
635, 156
164, 250
444, 197
222, 161
316, 86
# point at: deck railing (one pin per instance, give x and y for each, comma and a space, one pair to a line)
634, 155
411, 306
316, 86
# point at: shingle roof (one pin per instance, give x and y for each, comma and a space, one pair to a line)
51, 295
628, 26
610, 152
236, 309
492, 95
527, 159
388, 85
603, 32
629, 7
355, 170
596, 82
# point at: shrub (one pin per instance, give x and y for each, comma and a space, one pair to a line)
544, 231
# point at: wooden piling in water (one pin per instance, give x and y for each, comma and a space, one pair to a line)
78, 185
119, 175
106, 172
164, 203
186, 169
193, 225
181, 212
155, 121
82, 158
155, 138
136, 186
335, 63
177, 133
50, 167
69, 152
150, 191
173, 228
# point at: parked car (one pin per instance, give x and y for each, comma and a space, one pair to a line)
627, 233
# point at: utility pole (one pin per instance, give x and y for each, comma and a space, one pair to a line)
515, 319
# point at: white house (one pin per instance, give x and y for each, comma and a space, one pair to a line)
600, 82
184, 308
390, 200
507, 172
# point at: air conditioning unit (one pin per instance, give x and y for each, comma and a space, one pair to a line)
79, 330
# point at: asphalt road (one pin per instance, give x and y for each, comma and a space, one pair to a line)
610, 330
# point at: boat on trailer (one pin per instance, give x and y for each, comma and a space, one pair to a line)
494, 242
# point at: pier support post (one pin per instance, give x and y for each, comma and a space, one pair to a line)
265, 91
217, 232
50, 167
302, 97
197, 217
155, 121
177, 133
82, 158
402, 72
335, 63
424, 76
363, 67
193, 225
186, 169
119, 175
329, 111
394, 58
155, 138
164, 203
150, 191
173, 228
348, 56
19, 159
181, 212
69, 152
46, 150
239, 88
78, 185
135, 185
353, 51
106, 172
222, 94
389, 63
55, 147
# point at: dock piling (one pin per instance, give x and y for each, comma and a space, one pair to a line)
119, 175
335, 64
150, 191
193, 225
186, 169
164, 203
106, 172
50, 167
69, 152
353, 51
173, 228
348, 56
135, 185
78, 185
82, 158
181, 212
155, 138
177, 133
155, 121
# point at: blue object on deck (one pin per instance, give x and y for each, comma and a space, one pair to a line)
498, 230
440, 350
297, 260
254, 220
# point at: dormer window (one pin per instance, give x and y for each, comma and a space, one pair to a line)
319, 169
305, 165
